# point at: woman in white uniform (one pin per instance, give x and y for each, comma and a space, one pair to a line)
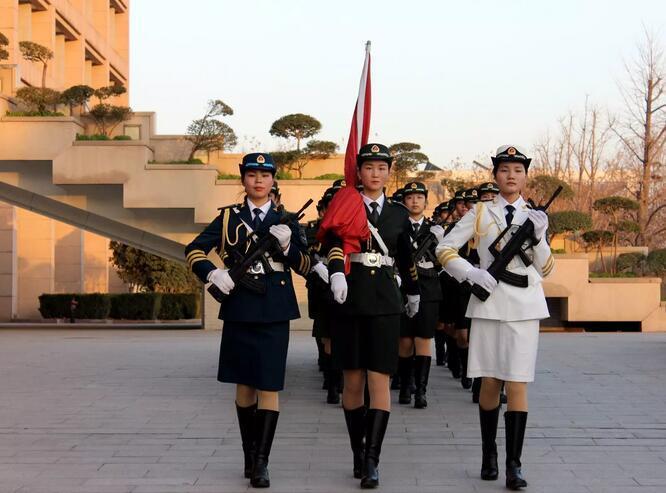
505, 328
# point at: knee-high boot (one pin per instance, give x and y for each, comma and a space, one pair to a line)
488, 421
355, 419
515, 423
376, 422
440, 351
405, 375
246, 417
476, 390
465, 381
421, 372
453, 357
264, 432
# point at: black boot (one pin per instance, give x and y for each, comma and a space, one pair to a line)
320, 353
421, 372
334, 378
355, 420
476, 390
376, 422
264, 431
488, 420
465, 381
515, 423
453, 357
405, 375
395, 382
440, 351
246, 425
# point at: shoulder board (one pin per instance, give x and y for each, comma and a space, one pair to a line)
230, 206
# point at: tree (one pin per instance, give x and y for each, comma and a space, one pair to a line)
616, 208
454, 184
406, 157
569, 222
642, 132
4, 42
543, 186
598, 238
106, 92
144, 271
77, 96
297, 126
208, 134
38, 99
107, 117
34, 52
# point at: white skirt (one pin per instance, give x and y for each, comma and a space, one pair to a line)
503, 350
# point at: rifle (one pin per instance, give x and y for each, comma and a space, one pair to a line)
257, 252
520, 241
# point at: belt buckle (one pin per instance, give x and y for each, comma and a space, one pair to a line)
374, 259
256, 268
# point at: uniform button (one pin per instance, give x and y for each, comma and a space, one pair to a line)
372, 272
283, 282
256, 277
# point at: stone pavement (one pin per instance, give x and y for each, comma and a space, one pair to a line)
140, 411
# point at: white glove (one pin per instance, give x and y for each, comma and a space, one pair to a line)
412, 306
482, 278
398, 279
222, 279
321, 270
540, 221
339, 287
438, 231
282, 233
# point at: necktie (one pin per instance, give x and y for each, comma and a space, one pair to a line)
509, 214
416, 227
374, 215
256, 222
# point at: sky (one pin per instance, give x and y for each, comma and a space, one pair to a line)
459, 78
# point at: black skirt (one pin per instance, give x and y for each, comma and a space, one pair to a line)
366, 342
321, 327
254, 354
423, 324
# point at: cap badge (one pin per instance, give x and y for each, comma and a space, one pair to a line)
511, 151
261, 159
375, 148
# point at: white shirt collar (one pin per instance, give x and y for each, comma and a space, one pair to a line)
380, 201
419, 222
264, 208
517, 204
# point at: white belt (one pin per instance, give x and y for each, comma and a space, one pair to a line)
369, 259
258, 267
425, 264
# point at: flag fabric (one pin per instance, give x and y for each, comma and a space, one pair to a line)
345, 216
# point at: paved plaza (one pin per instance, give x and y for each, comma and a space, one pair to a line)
86, 410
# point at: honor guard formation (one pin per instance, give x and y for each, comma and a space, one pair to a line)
383, 281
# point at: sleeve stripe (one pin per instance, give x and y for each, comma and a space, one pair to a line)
195, 257
193, 252
197, 260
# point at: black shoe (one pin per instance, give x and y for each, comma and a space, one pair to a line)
246, 424
355, 420
515, 423
488, 420
326, 365
476, 390
421, 372
376, 422
264, 431
405, 375
334, 379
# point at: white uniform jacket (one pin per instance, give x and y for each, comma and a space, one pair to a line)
484, 223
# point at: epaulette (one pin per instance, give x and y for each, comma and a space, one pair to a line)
229, 206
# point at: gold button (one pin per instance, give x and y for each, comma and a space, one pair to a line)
256, 277
372, 272
283, 282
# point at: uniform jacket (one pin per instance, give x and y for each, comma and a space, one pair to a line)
429, 283
483, 224
242, 305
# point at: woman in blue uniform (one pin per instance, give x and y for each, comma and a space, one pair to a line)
257, 309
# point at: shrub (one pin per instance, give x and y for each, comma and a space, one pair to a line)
92, 137
34, 113
136, 306
631, 262
227, 176
656, 261
330, 176
122, 137
94, 306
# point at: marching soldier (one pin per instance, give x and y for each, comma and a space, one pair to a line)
488, 191
416, 333
257, 308
504, 339
367, 329
319, 302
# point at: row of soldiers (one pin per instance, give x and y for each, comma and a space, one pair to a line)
443, 300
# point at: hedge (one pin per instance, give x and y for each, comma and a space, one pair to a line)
127, 306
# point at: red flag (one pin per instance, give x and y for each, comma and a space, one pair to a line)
345, 216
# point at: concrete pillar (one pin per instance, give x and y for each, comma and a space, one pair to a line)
8, 262
59, 62
95, 263
68, 258
75, 63
36, 261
